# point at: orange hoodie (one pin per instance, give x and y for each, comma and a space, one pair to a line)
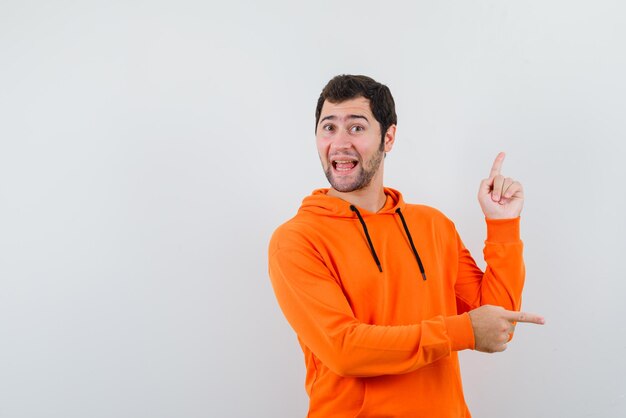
383, 343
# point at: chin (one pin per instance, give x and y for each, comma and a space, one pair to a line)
348, 187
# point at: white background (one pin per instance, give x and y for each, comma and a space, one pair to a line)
149, 149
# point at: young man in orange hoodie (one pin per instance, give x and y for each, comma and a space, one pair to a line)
381, 293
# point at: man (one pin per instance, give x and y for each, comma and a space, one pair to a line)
382, 294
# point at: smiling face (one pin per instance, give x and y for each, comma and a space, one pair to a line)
349, 145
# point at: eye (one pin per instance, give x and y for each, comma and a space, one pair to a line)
356, 128
328, 127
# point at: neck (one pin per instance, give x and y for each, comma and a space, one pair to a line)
372, 198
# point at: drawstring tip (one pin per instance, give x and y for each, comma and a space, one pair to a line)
423, 275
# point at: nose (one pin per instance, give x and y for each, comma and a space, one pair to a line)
342, 140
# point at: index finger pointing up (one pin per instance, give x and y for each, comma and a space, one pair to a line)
497, 165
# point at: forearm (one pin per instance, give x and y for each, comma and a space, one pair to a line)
502, 281
318, 311
504, 277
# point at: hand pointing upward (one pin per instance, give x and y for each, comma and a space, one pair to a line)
500, 197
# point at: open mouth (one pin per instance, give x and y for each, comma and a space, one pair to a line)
344, 165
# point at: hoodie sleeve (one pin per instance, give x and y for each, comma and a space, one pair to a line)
317, 309
503, 280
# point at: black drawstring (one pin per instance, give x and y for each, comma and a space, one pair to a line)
367, 235
408, 234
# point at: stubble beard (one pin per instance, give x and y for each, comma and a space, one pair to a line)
366, 172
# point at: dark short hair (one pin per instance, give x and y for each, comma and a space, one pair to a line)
345, 87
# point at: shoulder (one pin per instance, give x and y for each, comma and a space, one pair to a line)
425, 212
429, 218
298, 230
432, 223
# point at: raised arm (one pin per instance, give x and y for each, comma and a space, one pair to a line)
493, 297
501, 200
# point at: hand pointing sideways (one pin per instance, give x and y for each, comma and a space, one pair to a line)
493, 326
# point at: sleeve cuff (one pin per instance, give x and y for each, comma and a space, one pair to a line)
460, 332
503, 230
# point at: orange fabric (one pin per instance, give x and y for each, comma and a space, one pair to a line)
385, 344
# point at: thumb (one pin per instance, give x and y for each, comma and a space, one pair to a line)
485, 186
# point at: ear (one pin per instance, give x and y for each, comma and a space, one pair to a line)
390, 137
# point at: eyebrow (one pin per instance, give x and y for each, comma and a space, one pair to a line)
333, 117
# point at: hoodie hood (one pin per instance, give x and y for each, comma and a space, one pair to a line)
320, 203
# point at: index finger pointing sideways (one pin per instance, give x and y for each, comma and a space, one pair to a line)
525, 317
497, 165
